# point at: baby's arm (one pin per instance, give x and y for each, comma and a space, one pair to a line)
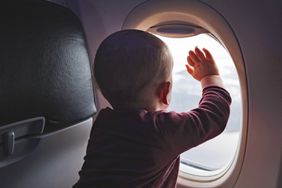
182, 131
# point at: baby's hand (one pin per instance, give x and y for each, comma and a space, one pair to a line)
201, 64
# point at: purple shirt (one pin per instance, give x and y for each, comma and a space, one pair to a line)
138, 148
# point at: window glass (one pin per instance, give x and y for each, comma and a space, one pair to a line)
214, 155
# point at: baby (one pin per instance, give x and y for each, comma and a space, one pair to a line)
136, 143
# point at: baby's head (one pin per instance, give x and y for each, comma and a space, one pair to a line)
133, 70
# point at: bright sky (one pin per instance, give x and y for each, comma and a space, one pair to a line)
186, 93
179, 48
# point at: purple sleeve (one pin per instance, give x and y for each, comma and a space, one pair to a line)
182, 131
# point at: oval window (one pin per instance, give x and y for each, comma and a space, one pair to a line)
215, 155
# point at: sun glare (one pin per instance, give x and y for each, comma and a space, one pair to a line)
186, 93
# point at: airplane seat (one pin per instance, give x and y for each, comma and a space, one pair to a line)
46, 95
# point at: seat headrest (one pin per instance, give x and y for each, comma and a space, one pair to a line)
44, 65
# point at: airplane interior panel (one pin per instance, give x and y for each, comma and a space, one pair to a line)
49, 98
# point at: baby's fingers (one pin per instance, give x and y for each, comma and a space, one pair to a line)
189, 69
190, 61
199, 54
208, 54
193, 56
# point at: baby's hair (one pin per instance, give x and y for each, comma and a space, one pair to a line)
127, 63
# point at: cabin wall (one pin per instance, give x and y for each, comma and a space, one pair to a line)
258, 27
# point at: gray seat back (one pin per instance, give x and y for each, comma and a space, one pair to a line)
46, 94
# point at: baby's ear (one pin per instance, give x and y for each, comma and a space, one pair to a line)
164, 91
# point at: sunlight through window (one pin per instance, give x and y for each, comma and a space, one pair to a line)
217, 154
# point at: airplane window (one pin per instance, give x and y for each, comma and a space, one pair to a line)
215, 155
